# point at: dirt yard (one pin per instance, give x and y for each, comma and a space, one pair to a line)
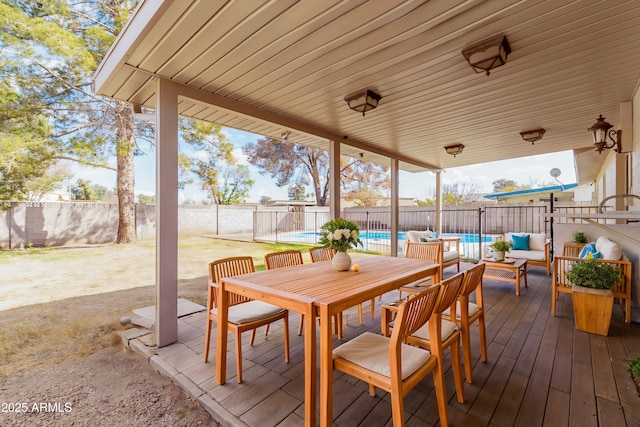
62, 361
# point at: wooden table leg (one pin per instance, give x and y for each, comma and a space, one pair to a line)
310, 368
326, 368
518, 281
524, 272
221, 343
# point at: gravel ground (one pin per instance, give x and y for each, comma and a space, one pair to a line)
113, 387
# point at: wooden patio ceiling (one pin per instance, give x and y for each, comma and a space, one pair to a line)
274, 67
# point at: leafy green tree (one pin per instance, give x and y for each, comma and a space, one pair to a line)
83, 191
291, 163
208, 158
297, 191
454, 194
25, 152
264, 200
145, 199
503, 185
234, 186
102, 192
50, 50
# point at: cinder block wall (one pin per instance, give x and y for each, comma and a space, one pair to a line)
43, 224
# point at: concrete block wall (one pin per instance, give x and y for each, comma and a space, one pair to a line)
58, 224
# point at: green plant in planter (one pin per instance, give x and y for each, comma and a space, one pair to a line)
579, 237
501, 246
592, 274
634, 367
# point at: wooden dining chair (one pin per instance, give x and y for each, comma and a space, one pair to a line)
326, 254
439, 334
288, 259
321, 254
283, 259
467, 312
244, 313
429, 251
390, 364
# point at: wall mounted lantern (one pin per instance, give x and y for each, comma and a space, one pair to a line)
532, 135
454, 150
488, 54
363, 101
601, 130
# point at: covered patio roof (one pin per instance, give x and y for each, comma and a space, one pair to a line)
284, 67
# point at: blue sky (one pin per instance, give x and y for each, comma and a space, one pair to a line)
413, 185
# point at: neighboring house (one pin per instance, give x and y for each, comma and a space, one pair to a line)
560, 193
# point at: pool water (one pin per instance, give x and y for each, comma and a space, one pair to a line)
385, 235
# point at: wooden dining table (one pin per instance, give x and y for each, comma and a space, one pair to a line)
317, 289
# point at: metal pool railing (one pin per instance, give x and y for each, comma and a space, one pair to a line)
477, 227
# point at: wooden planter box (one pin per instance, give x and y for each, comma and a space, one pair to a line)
592, 309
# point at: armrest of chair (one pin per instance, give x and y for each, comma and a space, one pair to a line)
388, 315
452, 241
571, 249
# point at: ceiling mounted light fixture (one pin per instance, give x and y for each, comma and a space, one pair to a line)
454, 150
488, 54
363, 101
532, 135
601, 130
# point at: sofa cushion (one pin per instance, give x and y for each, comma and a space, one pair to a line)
528, 255
537, 241
414, 235
587, 249
520, 243
611, 250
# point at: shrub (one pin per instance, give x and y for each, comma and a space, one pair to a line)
593, 274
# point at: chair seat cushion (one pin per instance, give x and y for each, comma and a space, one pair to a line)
447, 329
473, 309
371, 351
250, 311
450, 256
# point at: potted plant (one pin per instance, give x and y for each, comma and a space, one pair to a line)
341, 235
499, 248
579, 237
592, 294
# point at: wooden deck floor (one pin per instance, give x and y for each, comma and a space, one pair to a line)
541, 371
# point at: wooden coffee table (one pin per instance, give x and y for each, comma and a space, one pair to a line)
507, 271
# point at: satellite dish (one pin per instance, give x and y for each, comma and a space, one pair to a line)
555, 172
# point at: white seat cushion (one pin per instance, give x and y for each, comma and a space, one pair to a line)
528, 255
250, 311
450, 256
447, 329
473, 309
371, 351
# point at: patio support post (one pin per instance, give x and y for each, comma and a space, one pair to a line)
395, 210
438, 225
334, 179
166, 324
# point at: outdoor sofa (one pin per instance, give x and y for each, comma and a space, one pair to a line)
534, 247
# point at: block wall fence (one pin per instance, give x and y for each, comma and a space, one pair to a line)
43, 224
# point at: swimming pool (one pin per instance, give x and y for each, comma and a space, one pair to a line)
385, 235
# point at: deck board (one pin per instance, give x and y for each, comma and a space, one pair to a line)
540, 371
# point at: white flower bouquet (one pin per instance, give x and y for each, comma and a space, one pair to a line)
340, 234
